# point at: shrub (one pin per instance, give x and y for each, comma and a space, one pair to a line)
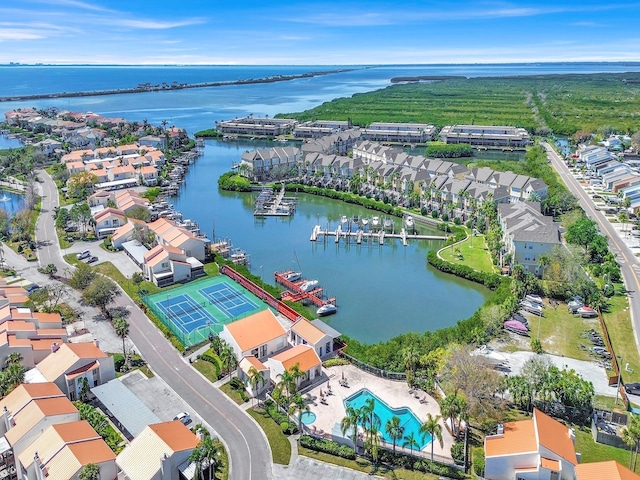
457, 452
284, 426
327, 446
118, 361
335, 362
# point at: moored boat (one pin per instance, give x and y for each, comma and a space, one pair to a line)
364, 221
327, 309
292, 276
308, 285
408, 221
375, 221
387, 223
344, 220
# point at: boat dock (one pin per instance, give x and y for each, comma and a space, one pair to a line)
269, 204
296, 294
360, 236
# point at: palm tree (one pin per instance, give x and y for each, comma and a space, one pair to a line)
14, 357
395, 430
432, 427
374, 442
299, 405
90, 471
121, 327
84, 388
227, 357
451, 407
631, 436
411, 442
256, 380
289, 380
351, 421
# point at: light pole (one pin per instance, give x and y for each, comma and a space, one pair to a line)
619, 374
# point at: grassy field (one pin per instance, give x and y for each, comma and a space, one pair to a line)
232, 393
278, 441
207, 369
472, 252
563, 103
618, 323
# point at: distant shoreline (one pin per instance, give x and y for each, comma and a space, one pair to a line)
174, 86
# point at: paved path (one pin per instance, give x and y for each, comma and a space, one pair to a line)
625, 257
246, 443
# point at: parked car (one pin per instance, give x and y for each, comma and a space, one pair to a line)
632, 388
70, 228
184, 417
92, 259
32, 288
84, 254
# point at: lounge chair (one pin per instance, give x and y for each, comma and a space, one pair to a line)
324, 401
423, 400
320, 432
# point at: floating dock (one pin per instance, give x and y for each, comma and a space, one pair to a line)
269, 204
296, 294
360, 236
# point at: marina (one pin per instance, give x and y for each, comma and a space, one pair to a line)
269, 204
360, 236
301, 290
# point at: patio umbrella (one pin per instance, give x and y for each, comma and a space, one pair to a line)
321, 394
343, 374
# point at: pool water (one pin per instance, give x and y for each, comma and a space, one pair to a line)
408, 419
308, 418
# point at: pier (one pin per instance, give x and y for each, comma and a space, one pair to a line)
296, 294
360, 236
269, 205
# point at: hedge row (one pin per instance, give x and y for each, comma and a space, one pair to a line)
166, 331
422, 465
327, 446
280, 418
346, 197
489, 280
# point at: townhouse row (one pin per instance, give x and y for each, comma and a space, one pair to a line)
412, 133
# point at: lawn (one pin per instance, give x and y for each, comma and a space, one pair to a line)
618, 322
596, 452
207, 369
233, 393
278, 441
472, 252
562, 333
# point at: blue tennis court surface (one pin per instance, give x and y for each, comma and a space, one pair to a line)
185, 312
197, 310
228, 300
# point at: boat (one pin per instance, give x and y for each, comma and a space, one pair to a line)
531, 307
365, 221
574, 305
344, 220
327, 309
516, 327
387, 223
4, 198
375, 221
408, 221
537, 299
308, 285
292, 276
356, 219
586, 312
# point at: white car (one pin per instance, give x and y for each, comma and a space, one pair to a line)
184, 417
84, 254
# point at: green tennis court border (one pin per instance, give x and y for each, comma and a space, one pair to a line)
202, 332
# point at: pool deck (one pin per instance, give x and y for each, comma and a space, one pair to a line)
393, 393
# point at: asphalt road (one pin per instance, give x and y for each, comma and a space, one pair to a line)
625, 257
247, 446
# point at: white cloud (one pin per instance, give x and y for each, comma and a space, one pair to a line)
155, 24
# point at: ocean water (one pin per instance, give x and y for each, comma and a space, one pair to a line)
198, 109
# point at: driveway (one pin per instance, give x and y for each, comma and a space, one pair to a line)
249, 452
120, 259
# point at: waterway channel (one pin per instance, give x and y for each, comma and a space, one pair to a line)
381, 291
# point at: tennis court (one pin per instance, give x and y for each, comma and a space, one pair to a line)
197, 310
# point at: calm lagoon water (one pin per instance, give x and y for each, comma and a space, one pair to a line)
11, 202
381, 292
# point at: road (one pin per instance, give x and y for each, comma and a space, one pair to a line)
247, 446
625, 257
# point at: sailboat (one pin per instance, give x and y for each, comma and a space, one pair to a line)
4, 198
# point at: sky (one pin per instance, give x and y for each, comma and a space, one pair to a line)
292, 32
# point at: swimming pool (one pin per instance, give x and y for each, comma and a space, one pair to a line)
308, 418
408, 420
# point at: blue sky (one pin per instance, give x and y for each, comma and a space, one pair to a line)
313, 33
